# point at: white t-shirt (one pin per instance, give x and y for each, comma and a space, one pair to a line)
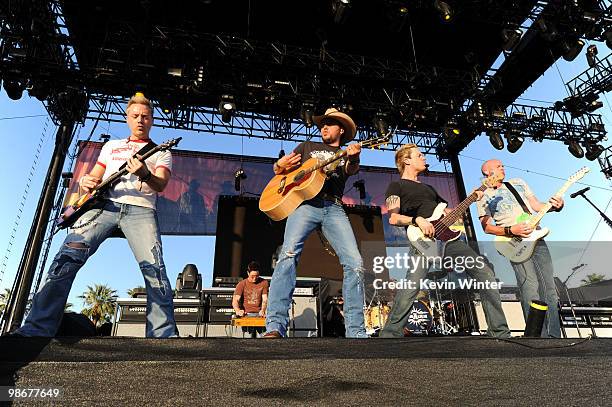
501, 205
129, 190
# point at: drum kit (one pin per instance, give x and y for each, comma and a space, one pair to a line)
430, 314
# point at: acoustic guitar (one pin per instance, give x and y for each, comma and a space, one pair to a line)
285, 192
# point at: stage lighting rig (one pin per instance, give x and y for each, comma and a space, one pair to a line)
13, 88
608, 37
446, 12
591, 55
511, 36
340, 8
574, 148
381, 125
594, 150
515, 140
306, 114
571, 48
495, 138
227, 108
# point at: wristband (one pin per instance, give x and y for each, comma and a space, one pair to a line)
146, 177
414, 221
508, 231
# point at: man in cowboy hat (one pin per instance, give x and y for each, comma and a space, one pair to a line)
325, 211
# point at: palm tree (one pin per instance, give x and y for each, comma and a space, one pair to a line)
133, 291
99, 302
592, 278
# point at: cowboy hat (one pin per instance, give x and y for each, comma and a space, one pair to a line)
350, 129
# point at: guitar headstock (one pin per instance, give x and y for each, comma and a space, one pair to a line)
378, 141
579, 174
492, 180
169, 143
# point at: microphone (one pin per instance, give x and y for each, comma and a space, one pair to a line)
238, 176
426, 169
582, 191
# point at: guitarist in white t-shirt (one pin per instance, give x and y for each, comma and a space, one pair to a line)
130, 207
501, 214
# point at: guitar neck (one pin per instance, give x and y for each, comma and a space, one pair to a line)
114, 177
458, 212
534, 220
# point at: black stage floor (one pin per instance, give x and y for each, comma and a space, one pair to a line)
411, 371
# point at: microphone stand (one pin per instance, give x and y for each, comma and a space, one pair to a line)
603, 215
571, 304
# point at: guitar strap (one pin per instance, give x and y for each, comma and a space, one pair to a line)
517, 196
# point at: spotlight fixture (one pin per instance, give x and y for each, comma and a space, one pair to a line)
511, 37
591, 55
239, 175
306, 114
594, 105
574, 148
446, 13
496, 139
594, 150
571, 49
13, 89
381, 125
340, 8
227, 108
515, 141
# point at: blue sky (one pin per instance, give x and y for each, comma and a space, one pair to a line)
542, 165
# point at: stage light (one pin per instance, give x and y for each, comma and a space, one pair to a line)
594, 150
515, 141
177, 72
381, 125
495, 139
340, 8
227, 108
360, 185
38, 90
575, 149
281, 153
594, 105
511, 37
306, 114
548, 30
13, 89
572, 49
446, 13
591, 55
239, 175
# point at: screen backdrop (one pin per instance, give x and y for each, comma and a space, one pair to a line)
189, 204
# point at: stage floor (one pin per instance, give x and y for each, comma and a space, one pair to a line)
410, 371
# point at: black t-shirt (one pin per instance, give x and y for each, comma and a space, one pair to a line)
336, 180
416, 198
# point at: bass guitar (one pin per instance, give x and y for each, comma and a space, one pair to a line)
84, 202
434, 247
285, 192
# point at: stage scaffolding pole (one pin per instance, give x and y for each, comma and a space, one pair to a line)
17, 303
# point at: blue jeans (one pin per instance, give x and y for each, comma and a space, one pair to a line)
139, 225
337, 229
535, 281
491, 301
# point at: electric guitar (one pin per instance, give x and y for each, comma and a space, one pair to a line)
84, 202
442, 223
518, 249
285, 192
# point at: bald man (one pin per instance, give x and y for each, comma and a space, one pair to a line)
501, 214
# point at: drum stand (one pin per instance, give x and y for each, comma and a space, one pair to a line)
441, 327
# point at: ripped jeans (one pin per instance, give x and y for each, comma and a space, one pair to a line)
337, 229
139, 225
